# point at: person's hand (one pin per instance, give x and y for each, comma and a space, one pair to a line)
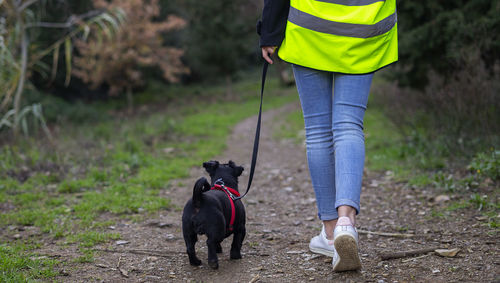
267, 51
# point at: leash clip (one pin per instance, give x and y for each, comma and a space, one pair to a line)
220, 183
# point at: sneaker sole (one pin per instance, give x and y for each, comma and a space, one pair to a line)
321, 251
347, 250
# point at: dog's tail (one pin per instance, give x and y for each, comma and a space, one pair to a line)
201, 186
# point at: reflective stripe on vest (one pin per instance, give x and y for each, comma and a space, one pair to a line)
351, 2
338, 28
346, 36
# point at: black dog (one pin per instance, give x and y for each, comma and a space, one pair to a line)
212, 212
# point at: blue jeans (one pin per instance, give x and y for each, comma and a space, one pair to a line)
334, 105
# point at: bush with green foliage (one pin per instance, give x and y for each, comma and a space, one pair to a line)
439, 36
447, 92
487, 164
220, 36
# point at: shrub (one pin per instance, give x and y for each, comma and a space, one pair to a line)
459, 112
117, 61
436, 34
487, 164
221, 36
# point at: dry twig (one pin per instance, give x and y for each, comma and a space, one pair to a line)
391, 255
254, 279
386, 234
415, 258
122, 271
141, 252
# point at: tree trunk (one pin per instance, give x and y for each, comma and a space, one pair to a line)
229, 86
22, 76
130, 100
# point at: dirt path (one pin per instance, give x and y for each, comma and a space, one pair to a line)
281, 218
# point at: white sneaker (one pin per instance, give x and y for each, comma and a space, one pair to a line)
321, 245
345, 240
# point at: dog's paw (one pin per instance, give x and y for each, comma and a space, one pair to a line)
195, 262
235, 255
213, 264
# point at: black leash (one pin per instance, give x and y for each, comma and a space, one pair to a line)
257, 131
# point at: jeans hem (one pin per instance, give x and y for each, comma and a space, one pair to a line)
328, 217
348, 202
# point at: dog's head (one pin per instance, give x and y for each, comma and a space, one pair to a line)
229, 172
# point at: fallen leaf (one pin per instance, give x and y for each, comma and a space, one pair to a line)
259, 268
121, 242
442, 198
124, 272
152, 258
447, 252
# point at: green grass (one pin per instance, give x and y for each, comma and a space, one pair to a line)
292, 128
18, 264
384, 146
89, 239
117, 165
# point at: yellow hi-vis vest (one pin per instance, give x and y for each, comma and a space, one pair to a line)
345, 36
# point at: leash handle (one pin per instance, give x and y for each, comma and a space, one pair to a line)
257, 132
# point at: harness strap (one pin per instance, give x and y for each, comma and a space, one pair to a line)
231, 193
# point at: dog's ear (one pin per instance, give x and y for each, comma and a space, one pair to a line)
211, 166
237, 170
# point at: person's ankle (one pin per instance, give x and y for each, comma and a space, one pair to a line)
348, 211
329, 227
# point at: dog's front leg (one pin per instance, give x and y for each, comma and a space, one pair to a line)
212, 245
238, 237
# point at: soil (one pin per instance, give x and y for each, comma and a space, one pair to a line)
281, 219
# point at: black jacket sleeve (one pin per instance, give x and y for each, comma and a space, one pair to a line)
272, 26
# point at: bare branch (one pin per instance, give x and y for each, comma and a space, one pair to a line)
72, 20
143, 252
26, 5
391, 255
49, 25
385, 234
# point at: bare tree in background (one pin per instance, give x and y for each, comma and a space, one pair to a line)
117, 60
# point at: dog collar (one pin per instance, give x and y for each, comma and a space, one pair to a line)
231, 194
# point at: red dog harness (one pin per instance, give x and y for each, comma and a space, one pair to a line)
231, 194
